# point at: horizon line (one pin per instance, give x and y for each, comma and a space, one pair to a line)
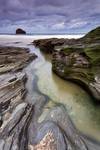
43, 34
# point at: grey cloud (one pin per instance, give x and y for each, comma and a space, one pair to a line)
54, 14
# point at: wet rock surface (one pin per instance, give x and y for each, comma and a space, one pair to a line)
14, 58
47, 45
12, 94
56, 132
12, 91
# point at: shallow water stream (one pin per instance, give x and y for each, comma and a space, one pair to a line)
78, 103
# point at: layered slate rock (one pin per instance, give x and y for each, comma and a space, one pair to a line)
20, 31
14, 112
12, 91
14, 58
14, 132
56, 132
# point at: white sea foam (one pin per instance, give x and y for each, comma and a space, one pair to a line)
26, 39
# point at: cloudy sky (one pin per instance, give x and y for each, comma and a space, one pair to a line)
49, 16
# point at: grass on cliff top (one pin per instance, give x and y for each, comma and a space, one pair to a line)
94, 54
93, 34
91, 52
69, 50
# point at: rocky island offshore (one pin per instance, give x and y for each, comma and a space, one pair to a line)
36, 122
20, 31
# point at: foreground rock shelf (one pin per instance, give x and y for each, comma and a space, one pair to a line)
14, 58
21, 131
12, 91
12, 84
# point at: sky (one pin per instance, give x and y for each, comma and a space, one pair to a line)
49, 16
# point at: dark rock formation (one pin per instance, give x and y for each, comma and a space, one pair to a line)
14, 58
20, 31
47, 45
12, 91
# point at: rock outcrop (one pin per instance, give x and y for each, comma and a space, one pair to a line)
14, 58
48, 45
12, 91
20, 31
77, 60
78, 67
56, 132
12, 81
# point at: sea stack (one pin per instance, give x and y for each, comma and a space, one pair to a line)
20, 31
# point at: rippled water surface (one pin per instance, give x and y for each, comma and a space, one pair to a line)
79, 105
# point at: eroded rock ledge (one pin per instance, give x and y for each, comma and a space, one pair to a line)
78, 67
48, 45
12, 80
14, 58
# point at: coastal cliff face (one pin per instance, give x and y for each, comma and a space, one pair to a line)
77, 60
79, 67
